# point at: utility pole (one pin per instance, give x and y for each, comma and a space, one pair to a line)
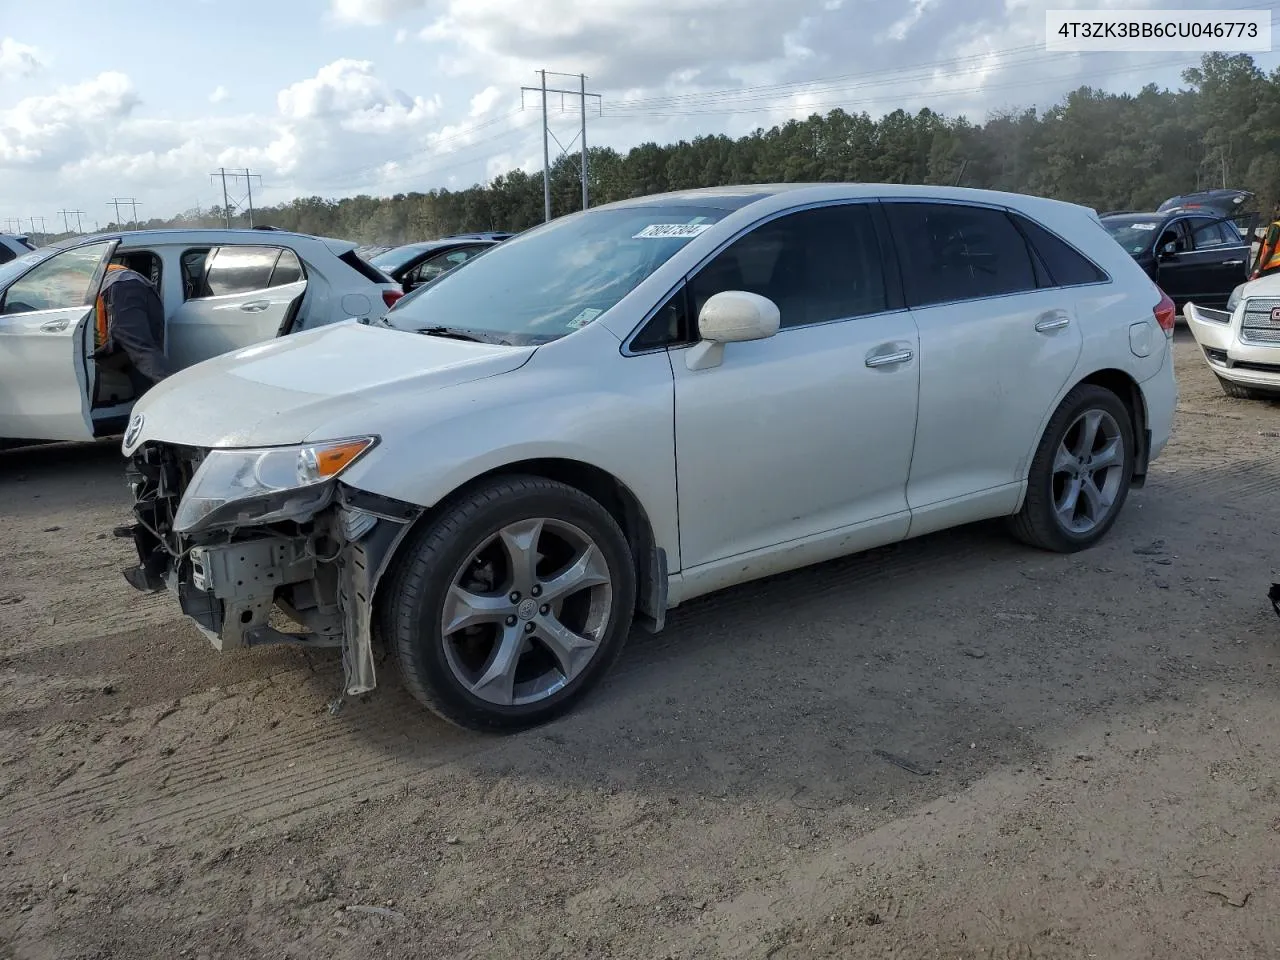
33, 225
582, 87
582, 94
546, 161
66, 219
248, 176
226, 204
133, 206
248, 184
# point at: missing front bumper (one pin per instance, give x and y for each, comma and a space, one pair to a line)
311, 583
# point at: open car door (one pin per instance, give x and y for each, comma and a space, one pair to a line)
46, 338
248, 294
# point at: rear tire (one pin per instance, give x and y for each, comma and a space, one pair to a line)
1080, 474
511, 604
1238, 392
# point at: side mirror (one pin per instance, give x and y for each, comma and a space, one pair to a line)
1168, 251
733, 316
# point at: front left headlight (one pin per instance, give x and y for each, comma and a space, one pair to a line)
247, 487
1234, 300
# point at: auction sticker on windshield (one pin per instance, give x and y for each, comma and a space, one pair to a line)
666, 231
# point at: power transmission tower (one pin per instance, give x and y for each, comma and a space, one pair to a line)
66, 219
33, 225
582, 94
248, 177
133, 206
13, 224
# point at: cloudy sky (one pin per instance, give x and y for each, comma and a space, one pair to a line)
136, 98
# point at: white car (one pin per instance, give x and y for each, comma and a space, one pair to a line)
632, 406
222, 290
1241, 344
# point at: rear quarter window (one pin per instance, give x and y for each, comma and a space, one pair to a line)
1067, 267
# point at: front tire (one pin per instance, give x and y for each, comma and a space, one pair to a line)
510, 605
1080, 474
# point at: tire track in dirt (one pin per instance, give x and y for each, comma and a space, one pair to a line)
293, 768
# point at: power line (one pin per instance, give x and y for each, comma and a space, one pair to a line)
581, 92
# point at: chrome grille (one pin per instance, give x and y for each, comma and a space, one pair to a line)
1257, 325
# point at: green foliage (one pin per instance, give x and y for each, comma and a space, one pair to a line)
1109, 151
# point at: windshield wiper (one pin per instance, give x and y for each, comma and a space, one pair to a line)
453, 333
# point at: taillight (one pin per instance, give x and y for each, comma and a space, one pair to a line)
1166, 314
389, 297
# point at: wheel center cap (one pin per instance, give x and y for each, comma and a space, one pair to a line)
527, 609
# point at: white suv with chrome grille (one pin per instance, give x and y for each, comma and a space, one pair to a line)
1241, 344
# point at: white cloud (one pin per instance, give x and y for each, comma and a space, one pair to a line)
48, 130
402, 35
18, 59
350, 93
220, 93
484, 101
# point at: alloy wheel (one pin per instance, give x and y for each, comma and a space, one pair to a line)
527, 611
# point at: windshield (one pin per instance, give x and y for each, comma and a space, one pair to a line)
1135, 234
555, 279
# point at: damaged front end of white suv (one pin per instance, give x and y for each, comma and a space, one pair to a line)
266, 545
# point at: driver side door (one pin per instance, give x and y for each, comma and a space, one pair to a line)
797, 448
46, 324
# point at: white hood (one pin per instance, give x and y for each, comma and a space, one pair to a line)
1268, 286
280, 391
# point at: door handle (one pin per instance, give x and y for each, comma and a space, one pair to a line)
1233, 263
1053, 320
255, 306
889, 359
54, 326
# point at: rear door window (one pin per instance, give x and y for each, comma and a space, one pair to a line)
236, 269
951, 252
288, 269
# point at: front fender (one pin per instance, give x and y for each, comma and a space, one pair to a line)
617, 417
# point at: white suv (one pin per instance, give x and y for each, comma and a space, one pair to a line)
623, 409
222, 290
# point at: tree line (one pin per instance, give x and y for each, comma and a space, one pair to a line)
1106, 150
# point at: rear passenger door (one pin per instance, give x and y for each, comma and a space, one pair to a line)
245, 295
997, 344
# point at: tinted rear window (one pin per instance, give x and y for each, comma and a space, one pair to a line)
1067, 267
952, 252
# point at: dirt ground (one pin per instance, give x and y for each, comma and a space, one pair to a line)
1090, 747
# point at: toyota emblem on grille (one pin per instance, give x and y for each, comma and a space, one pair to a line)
1275, 314
134, 431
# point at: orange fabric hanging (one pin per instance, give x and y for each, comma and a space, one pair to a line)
100, 307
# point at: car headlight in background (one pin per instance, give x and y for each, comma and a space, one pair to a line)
1234, 300
242, 487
